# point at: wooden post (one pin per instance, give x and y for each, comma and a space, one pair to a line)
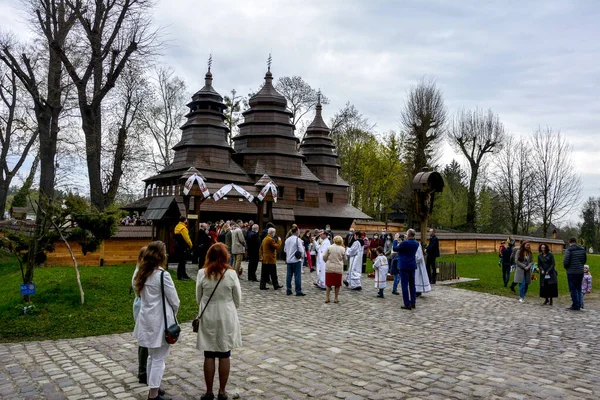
259, 214
424, 231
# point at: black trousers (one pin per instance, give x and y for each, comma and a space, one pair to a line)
142, 361
202, 258
505, 274
182, 261
431, 270
252, 267
268, 271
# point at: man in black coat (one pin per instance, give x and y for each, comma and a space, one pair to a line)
433, 252
253, 243
202, 245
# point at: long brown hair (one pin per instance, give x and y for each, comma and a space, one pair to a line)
217, 260
523, 250
153, 257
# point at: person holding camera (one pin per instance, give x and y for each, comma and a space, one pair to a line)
294, 250
183, 244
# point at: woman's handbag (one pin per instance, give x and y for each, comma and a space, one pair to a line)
196, 321
172, 332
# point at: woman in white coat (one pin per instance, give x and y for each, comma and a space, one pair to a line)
355, 253
150, 323
219, 331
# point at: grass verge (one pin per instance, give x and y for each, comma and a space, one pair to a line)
59, 313
485, 268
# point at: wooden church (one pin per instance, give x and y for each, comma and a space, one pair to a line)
268, 175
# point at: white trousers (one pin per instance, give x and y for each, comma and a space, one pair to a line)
156, 365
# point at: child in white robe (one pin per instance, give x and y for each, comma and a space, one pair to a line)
381, 269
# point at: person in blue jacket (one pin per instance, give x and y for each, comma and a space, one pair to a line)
408, 265
395, 264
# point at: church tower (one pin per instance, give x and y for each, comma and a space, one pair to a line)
319, 150
203, 143
266, 142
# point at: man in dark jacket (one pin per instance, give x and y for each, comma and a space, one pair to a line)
433, 252
408, 265
202, 245
575, 258
253, 251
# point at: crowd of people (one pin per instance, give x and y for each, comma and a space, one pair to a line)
218, 291
519, 258
134, 220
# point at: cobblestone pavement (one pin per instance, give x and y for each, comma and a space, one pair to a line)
457, 344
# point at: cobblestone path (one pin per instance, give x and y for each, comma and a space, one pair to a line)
457, 344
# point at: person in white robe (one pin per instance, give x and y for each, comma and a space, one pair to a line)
422, 284
355, 253
380, 266
321, 247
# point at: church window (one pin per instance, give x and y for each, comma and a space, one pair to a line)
299, 194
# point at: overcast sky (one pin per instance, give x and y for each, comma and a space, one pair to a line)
535, 63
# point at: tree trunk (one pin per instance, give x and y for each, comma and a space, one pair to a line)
91, 125
472, 200
4, 185
113, 186
47, 117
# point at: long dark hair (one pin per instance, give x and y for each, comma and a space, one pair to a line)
523, 250
306, 233
547, 248
153, 257
217, 260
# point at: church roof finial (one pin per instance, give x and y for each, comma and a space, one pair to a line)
269, 61
209, 62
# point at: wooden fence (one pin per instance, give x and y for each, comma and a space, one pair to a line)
112, 252
446, 271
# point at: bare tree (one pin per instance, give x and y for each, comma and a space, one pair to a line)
557, 184
40, 71
476, 134
17, 135
423, 120
125, 131
513, 181
109, 35
165, 115
301, 98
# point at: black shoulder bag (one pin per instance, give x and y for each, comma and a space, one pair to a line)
298, 253
196, 321
172, 332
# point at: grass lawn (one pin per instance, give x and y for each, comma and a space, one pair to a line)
60, 314
484, 266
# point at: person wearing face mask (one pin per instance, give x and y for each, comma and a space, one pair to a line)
373, 245
349, 238
388, 244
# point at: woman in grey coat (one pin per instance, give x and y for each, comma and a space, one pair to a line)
548, 278
524, 265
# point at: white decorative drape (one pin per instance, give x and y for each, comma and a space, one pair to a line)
190, 182
269, 186
227, 188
